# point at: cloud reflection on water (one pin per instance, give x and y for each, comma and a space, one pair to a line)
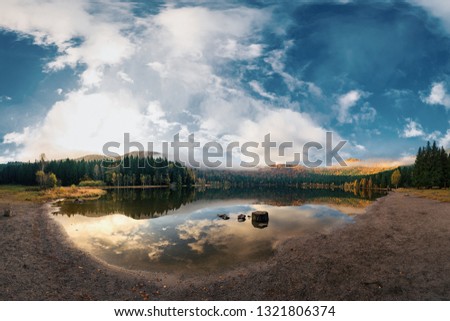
197, 239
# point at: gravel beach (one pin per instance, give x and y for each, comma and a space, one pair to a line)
398, 250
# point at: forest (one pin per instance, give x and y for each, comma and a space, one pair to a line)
431, 169
131, 171
301, 177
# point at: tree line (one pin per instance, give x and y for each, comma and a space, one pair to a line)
431, 169
131, 171
134, 171
305, 179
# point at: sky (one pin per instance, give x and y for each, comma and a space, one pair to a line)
75, 75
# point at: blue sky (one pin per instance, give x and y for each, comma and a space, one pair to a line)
74, 76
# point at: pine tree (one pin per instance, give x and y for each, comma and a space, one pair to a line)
445, 164
432, 167
417, 172
436, 170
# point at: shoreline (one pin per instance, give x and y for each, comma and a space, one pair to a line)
397, 250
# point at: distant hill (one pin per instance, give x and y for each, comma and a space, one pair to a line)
352, 160
96, 157
89, 158
143, 154
351, 170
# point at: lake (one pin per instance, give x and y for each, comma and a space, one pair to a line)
198, 230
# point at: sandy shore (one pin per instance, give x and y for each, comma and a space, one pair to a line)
398, 250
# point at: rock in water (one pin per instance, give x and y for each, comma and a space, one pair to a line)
260, 216
223, 216
241, 217
260, 219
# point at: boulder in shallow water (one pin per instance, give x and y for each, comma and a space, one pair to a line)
223, 216
241, 217
260, 216
260, 219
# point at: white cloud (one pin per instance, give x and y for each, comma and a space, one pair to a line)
438, 8
344, 103
135, 99
348, 101
81, 37
5, 98
256, 86
125, 77
275, 60
366, 114
159, 68
374, 131
189, 31
164, 79
79, 124
233, 50
412, 129
283, 126
438, 96
17, 138
397, 93
445, 140
434, 135
6, 159
82, 123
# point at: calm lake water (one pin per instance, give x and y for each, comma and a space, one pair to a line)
163, 230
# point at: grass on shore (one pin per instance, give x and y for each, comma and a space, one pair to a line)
15, 193
442, 195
